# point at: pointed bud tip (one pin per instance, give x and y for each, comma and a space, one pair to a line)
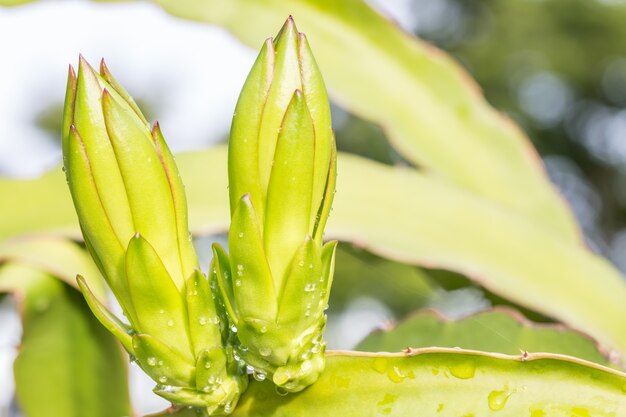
82, 283
137, 235
107, 99
104, 70
288, 30
83, 64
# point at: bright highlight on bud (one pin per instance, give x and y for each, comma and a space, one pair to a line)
276, 281
132, 210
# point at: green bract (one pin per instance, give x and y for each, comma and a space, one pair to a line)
282, 170
133, 213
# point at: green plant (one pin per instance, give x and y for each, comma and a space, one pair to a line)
282, 170
513, 235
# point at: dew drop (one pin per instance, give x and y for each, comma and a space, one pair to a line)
161, 311
250, 369
207, 364
240, 235
258, 375
306, 366
396, 375
497, 399
160, 363
202, 321
162, 379
310, 266
152, 361
301, 263
388, 400
464, 370
310, 287
233, 328
380, 365
265, 351
281, 391
263, 329
170, 323
238, 282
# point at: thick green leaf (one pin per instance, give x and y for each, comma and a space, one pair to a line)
429, 107
68, 364
417, 219
421, 220
446, 383
502, 330
57, 256
41, 204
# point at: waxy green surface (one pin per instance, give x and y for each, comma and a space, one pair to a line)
446, 383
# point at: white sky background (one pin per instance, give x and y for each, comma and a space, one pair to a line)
191, 72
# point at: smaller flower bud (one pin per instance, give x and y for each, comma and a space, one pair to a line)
277, 279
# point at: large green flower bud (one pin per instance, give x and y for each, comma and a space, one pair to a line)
282, 173
132, 211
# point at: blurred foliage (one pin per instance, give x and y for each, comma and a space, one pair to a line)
358, 273
558, 68
567, 58
501, 331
